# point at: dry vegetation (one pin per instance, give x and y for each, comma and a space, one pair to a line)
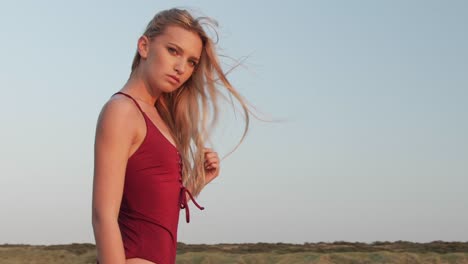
260, 253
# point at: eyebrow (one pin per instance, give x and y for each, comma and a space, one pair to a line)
182, 51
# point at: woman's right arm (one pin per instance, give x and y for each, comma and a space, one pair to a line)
114, 137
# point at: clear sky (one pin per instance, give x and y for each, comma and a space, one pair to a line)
373, 94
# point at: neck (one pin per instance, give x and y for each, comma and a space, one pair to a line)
140, 89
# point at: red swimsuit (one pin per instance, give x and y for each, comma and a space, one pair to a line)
152, 198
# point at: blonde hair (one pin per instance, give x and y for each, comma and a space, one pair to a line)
187, 110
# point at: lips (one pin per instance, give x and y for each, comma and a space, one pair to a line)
174, 78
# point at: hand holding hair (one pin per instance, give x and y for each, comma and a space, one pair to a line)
211, 165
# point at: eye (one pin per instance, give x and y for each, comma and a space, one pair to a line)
172, 50
193, 63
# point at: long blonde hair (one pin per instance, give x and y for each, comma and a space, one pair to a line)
193, 108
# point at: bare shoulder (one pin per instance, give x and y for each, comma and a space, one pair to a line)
118, 115
119, 107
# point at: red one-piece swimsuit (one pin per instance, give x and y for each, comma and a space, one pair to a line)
153, 195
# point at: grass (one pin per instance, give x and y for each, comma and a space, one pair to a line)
261, 253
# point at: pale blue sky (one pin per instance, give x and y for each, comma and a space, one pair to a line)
374, 94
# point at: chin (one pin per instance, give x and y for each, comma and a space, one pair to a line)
170, 89
165, 88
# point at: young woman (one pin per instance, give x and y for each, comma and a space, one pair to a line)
150, 157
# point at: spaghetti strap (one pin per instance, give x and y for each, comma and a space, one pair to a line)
132, 100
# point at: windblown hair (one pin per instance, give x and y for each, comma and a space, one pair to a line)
192, 109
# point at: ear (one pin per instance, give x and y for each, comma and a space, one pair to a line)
143, 46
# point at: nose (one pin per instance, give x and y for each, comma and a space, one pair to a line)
179, 67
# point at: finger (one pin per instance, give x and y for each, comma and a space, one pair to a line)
207, 150
213, 167
211, 155
212, 159
209, 162
206, 164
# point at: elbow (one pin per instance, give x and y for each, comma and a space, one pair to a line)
95, 220
95, 216
98, 218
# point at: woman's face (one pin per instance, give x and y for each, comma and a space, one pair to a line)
169, 59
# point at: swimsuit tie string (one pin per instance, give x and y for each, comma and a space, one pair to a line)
184, 205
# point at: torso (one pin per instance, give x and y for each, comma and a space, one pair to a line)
155, 118
152, 193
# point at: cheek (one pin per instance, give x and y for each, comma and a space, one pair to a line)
155, 62
158, 59
190, 72
165, 58
188, 76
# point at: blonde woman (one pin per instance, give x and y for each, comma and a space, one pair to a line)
150, 157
